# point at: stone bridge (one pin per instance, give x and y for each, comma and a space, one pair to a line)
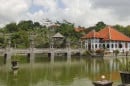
8, 52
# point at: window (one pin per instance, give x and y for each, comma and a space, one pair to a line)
103, 45
120, 45
95, 45
108, 46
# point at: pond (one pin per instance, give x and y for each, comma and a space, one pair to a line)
77, 73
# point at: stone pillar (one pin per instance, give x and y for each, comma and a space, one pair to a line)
87, 46
7, 58
124, 46
127, 46
69, 56
52, 57
110, 49
81, 44
32, 57
94, 46
114, 46
8, 54
32, 54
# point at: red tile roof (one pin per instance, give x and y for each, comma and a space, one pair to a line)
92, 34
110, 33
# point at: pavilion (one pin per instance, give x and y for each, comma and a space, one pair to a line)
108, 38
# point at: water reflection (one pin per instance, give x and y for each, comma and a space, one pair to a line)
61, 73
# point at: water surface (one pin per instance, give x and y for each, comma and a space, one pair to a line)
76, 73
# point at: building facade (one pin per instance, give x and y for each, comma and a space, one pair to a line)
108, 38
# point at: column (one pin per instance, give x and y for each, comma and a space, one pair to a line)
94, 44
69, 56
32, 57
128, 46
32, 54
98, 45
114, 48
8, 54
86, 44
124, 47
52, 56
110, 46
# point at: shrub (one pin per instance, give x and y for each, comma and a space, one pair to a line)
116, 52
100, 51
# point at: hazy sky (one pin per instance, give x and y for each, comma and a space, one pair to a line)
80, 12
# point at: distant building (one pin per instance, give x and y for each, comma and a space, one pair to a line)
79, 29
107, 38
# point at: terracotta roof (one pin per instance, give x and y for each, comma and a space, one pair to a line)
92, 34
109, 33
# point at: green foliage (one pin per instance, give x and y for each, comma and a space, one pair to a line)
2, 44
87, 53
124, 63
26, 25
20, 39
19, 58
19, 33
124, 30
100, 51
67, 29
12, 27
116, 52
100, 25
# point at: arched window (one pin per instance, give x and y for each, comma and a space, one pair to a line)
108, 46
103, 45
120, 45
95, 45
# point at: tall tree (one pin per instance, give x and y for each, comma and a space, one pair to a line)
26, 25
12, 27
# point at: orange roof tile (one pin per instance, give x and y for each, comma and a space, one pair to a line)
109, 33
92, 34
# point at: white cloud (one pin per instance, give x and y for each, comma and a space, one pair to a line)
80, 12
11, 10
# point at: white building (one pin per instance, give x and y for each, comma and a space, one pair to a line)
108, 38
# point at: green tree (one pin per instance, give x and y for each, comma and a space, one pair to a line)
20, 39
12, 27
100, 25
26, 25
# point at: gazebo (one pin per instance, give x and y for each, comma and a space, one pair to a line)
57, 38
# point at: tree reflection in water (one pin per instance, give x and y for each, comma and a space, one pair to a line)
62, 74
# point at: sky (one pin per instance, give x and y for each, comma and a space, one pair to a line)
80, 12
